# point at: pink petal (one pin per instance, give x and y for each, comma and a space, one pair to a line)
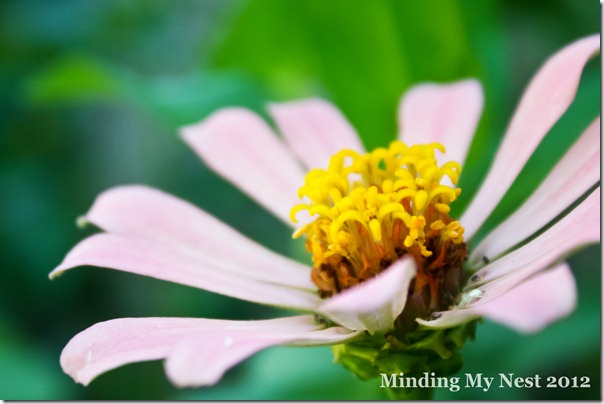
148, 214
315, 130
578, 228
188, 365
578, 170
451, 318
447, 114
182, 265
581, 226
374, 304
536, 303
545, 100
114, 343
239, 146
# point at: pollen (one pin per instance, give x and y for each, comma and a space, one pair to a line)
369, 210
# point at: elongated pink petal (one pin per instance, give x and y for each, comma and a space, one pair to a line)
181, 265
580, 227
545, 100
315, 130
242, 148
578, 170
148, 214
376, 303
188, 365
534, 304
114, 343
444, 113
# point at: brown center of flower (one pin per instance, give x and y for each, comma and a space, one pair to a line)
373, 209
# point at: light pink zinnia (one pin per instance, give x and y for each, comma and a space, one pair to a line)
150, 233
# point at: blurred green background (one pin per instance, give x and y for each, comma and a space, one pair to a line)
92, 94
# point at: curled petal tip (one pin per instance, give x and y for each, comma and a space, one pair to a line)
58, 271
82, 222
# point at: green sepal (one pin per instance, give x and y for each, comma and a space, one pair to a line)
357, 358
413, 353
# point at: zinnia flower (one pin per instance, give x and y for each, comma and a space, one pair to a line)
394, 277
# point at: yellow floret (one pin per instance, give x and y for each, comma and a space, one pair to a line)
371, 205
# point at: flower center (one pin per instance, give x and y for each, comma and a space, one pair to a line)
372, 209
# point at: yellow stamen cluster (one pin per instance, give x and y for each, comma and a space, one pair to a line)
371, 209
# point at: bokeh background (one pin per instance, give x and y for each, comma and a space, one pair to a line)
92, 94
